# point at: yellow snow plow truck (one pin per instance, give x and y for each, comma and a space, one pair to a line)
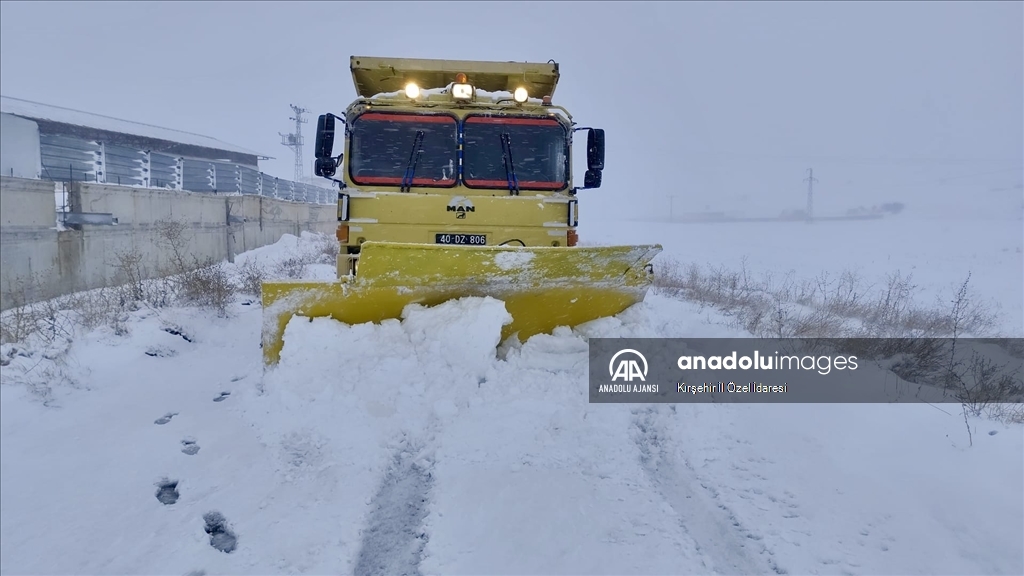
456, 180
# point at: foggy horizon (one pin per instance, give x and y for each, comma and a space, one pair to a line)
724, 106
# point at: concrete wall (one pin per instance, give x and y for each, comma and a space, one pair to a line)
61, 261
19, 147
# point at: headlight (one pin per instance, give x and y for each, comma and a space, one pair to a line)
462, 91
412, 90
520, 95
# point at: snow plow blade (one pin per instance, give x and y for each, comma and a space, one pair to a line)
542, 287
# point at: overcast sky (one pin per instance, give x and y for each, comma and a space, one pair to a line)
725, 105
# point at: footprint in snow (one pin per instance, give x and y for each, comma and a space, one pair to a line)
167, 492
175, 331
221, 537
165, 418
161, 352
189, 446
222, 396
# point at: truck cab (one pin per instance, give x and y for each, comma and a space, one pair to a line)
454, 152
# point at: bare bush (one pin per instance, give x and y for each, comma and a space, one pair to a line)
130, 277
174, 236
47, 327
294, 266
826, 307
101, 307
21, 320
1006, 413
251, 277
54, 320
48, 320
188, 278
323, 251
979, 382
328, 248
918, 342
207, 285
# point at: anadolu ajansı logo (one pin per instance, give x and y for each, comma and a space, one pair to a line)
627, 369
461, 206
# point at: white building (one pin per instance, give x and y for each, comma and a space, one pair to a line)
60, 144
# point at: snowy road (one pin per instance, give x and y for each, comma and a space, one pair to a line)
410, 448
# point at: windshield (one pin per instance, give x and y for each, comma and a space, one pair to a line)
383, 149
538, 148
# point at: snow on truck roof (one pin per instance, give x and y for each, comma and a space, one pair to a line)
374, 75
37, 111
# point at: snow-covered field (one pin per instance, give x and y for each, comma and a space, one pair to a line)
937, 253
412, 447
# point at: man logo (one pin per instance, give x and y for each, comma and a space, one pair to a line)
627, 369
461, 206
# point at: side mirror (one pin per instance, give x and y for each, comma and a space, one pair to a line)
592, 179
325, 166
325, 136
595, 149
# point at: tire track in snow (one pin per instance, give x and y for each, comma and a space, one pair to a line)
728, 546
393, 540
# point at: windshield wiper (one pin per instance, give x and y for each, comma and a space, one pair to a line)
510, 167
414, 159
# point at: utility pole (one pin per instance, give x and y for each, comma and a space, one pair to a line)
294, 140
671, 206
810, 193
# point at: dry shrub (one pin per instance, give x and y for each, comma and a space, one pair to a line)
323, 251
207, 285
826, 307
191, 280
100, 307
327, 247
293, 267
919, 342
131, 275
1006, 413
251, 277
48, 320
22, 319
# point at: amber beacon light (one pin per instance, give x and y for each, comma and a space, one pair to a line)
462, 89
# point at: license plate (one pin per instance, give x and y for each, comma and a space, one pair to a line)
470, 239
